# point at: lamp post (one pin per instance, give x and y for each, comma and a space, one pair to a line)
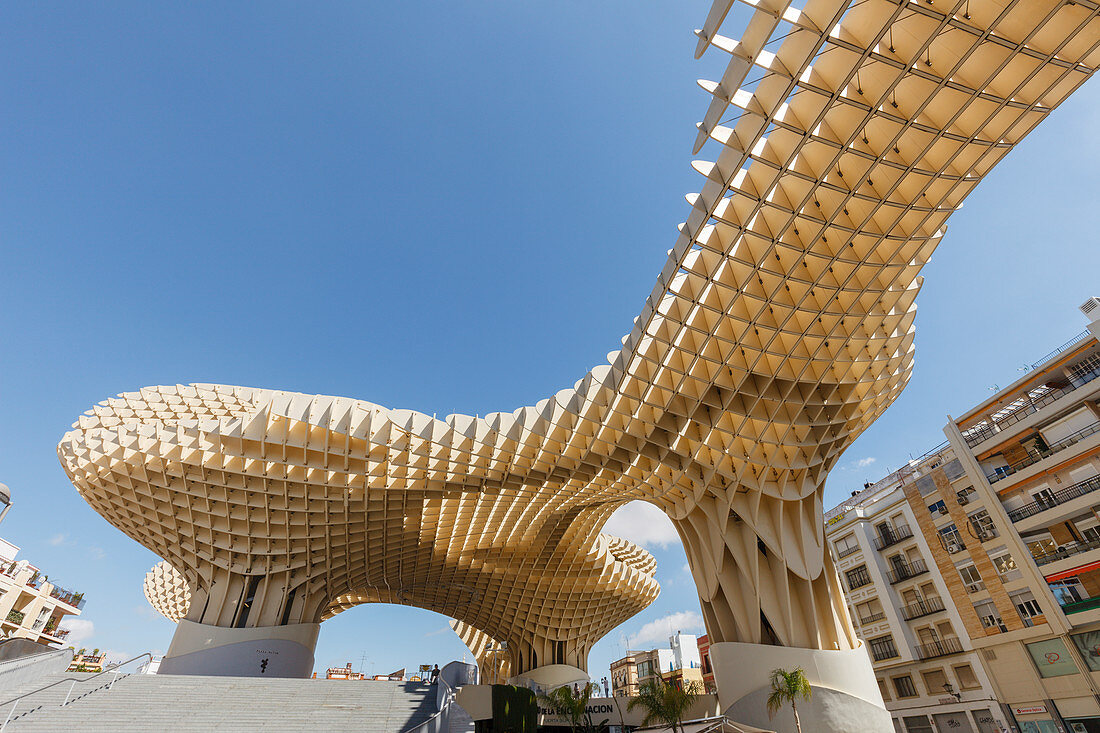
950, 690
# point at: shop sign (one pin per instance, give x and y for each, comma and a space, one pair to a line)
1031, 710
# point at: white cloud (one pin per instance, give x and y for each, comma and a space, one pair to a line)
864, 462
116, 656
437, 632
57, 539
643, 523
686, 569
656, 633
97, 552
79, 629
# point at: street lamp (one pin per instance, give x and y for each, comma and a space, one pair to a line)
950, 689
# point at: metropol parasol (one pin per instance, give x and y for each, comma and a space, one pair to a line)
780, 327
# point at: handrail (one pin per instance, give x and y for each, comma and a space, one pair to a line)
1075, 340
1057, 498
1034, 456
76, 679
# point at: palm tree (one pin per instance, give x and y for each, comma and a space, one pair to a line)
665, 702
787, 687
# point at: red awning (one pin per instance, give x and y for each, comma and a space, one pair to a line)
1075, 571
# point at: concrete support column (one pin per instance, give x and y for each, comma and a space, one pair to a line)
266, 651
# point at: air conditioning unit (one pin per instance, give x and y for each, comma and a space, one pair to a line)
943, 511
964, 499
974, 587
953, 547
1091, 308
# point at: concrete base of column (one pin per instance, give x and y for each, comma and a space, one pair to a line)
268, 651
846, 698
551, 675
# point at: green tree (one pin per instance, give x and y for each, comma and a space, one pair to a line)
573, 707
665, 702
787, 687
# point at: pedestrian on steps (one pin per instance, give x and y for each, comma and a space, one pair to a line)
435, 674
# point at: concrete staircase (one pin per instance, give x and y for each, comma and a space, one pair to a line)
185, 703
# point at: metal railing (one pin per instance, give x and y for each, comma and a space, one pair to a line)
985, 432
847, 551
1034, 456
940, 648
922, 608
889, 537
883, 650
460, 674
1080, 488
858, 580
108, 685
904, 571
1072, 342
872, 618
1069, 549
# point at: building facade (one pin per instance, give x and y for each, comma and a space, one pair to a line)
991, 547
624, 677
31, 607
704, 663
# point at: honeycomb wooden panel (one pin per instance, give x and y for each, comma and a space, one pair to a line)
780, 327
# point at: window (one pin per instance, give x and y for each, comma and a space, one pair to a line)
971, 578
918, 724
990, 616
1004, 564
858, 577
938, 508
934, 680
883, 647
1051, 658
1084, 368
964, 673
883, 690
846, 545
951, 539
983, 525
1091, 534
1026, 605
904, 686
870, 612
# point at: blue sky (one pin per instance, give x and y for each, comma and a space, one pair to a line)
435, 205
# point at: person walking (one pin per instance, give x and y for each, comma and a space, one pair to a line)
435, 674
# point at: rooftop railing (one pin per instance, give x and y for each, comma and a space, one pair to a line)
1080, 488
940, 648
983, 433
1034, 456
1067, 345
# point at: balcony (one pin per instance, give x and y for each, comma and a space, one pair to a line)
904, 571
72, 598
858, 580
1034, 456
1084, 605
1080, 488
940, 648
873, 618
15, 617
1063, 551
889, 537
922, 608
847, 551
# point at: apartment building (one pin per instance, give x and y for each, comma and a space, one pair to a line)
991, 548
31, 607
704, 663
678, 663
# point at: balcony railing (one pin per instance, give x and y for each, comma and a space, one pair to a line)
1034, 456
847, 551
873, 618
889, 537
1085, 605
904, 571
985, 432
1063, 551
922, 608
1080, 488
940, 648
74, 599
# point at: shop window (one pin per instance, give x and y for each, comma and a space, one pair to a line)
904, 686
1089, 646
918, 724
1051, 658
964, 673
